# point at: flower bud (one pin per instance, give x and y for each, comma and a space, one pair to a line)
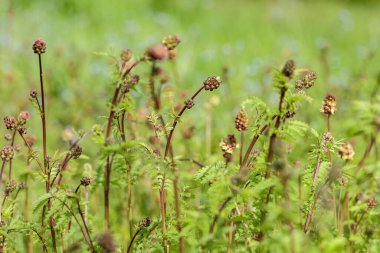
212, 83
39, 46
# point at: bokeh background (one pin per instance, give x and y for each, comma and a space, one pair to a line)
245, 39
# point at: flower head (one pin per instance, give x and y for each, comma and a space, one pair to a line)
7, 153
76, 151
346, 151
157, 52
10, 122
289, 68
171, 41
85, 181
212, 83
39, 46
329, 105
23, 117
241, 121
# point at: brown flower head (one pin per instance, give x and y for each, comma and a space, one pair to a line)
10, 122
346, 152
85, 181
289, 68
107, 242
241, 121
171, 41
145, 222
343, 181
228, 146
7, 136
31, 140
39, 46
23, 117
212, 83
157, 52
76, 151
7, 153
189, 103
329, 105
307, 81
33, 93
126, 55
10, 187
372, 202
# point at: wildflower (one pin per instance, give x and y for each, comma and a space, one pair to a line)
10, 122
346, 152
228, 146
329, 105
21, 185
288, 69
157, 52
39, 46
10, 187
171, 41
31, 140
76, 151
343, 181
107, 242
126, 55
372, 202
241, 121
307, 81
85, 181
212, 83
189, 103
7, 136
145, 222
33, 93
7, 153
23, 117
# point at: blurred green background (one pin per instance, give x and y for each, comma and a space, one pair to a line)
247, 38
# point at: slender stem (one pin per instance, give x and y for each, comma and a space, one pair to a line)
216, 217
85, 225
43, 112
241, 147
133, 239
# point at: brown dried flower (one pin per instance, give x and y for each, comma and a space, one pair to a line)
171, 41
228, 146
157, 52
76, 151
39, 46
7, 153
372, 202
85, 181
241, 121
212, 83
189, 103
346, 151
289, 68
10, 122
329, 105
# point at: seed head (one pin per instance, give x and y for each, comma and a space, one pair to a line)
76, 151
10, 187
33, 94
22, 130
171, 41
7, 153
189, 103
39, 46
31, 140
228, 146
10, 122
145, 222
7, 136
289, 114
343, 181
158, 52
126, 55
23, 117
372, 202
241, 121
307, 81
346, 151
21, 185
329, 105
212, 83
289, 68
85, 181
107, 242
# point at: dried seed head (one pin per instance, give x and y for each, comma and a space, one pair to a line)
171, 41
126, 55
327, 138
157, 52
22, 130
31, 140
241, 121
346, 151
107, 242
7, 136
10, 187
289, 68
23, 117
33, 94
85, 181
290, 114
228, 146
189, 103
343, 181
307, 81
21, 185
10, 122
212, 83
39, 46
329, 105
76, 151
372, 202
7, 153
145, 222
